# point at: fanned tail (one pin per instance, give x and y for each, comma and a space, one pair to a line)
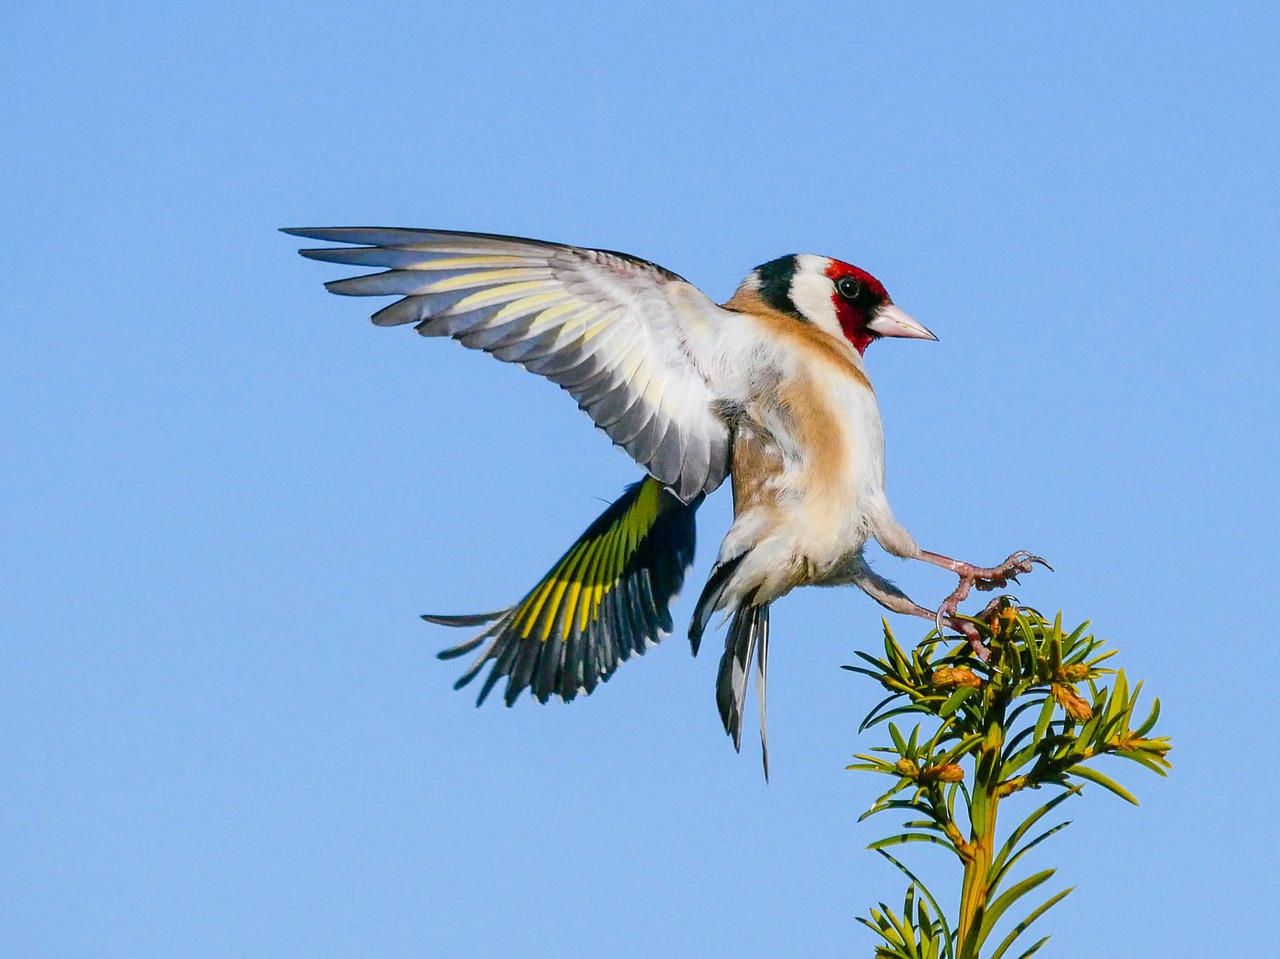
748, 635
606, 599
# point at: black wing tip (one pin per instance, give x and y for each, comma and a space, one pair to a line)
453, 652
313, 232
335, 287
332, 233
355, 235
329, 254
463, 619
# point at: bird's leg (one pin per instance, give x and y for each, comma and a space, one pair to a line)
984, 578
948, 618
892, 598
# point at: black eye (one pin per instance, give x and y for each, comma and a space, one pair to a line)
848, 287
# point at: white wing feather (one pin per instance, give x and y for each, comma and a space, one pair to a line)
633, 343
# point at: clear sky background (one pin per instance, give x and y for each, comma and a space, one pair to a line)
225, 497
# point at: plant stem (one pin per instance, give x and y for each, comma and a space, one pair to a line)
982, 833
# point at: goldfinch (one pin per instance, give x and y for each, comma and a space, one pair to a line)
767, 389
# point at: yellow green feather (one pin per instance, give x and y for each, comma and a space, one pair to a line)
593, 581
530, 608
577, 579
552, 613
577, 585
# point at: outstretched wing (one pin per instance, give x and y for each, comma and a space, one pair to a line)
627, 339
608, 598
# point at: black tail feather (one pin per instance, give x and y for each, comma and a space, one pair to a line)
717, 583
748, 636
762, 672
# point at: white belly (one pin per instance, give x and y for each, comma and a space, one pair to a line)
826, 495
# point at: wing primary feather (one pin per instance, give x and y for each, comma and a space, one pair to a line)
526, 348
501, 668
412, 309
498, 331
400, 258
462, 648
668, 458
696, 463
566, 608
630, 425
648, 609
546, 679
523, 665
593, 389
399, 236
494, 635
645, 447
570, 679
470, 619
590, 666
590, 584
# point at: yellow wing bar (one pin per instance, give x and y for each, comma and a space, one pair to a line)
606, 598
593, 567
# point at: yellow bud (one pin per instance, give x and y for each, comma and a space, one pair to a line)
1067, 697
946, 773
907, 768
946, 677
1074, 672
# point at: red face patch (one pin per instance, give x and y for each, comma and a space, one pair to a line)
856, 296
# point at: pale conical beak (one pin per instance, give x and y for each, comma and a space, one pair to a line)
891, 321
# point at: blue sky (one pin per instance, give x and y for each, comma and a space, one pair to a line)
225, 497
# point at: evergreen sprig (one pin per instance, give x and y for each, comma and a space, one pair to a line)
1038, 713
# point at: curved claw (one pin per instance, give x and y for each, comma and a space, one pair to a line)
1022, 561
1024, 558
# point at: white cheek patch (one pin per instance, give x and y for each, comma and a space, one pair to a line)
811, 292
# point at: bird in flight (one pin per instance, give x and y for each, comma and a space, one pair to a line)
767, 389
